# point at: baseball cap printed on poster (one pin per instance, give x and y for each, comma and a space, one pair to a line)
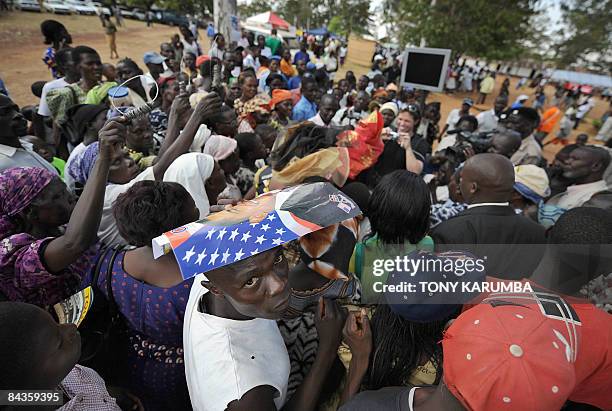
254, 226
424, 306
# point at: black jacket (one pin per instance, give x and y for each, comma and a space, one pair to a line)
508, 240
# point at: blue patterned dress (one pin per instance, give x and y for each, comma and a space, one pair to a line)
154, 369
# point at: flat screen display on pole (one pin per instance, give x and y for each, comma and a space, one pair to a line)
425, 68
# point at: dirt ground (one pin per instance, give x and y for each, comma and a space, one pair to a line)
22, 46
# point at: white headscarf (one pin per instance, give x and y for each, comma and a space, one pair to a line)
191, 170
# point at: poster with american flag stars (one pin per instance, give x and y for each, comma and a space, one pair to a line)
254, 226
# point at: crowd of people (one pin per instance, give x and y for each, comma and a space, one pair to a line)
109, 157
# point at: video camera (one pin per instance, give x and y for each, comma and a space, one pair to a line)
479, 142
351, 115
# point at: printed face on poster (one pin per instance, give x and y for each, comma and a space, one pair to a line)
425, 68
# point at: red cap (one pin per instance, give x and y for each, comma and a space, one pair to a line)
506, 357
201, 59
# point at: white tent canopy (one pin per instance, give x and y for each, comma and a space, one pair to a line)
595, 80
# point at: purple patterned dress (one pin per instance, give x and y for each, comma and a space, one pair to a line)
154, 369
24, 276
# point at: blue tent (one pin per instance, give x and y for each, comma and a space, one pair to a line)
321, 31
595, 80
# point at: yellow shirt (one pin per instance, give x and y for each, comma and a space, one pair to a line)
487, 85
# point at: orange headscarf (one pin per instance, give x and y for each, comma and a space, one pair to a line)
287, 68
279, 95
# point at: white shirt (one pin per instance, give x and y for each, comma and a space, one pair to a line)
331, 63
224, 359
528, 153
76, 152
452, 119
577, 195
108, 232
341, 120
43, 107
373, 74
193, 47
583, 109
487, 121
447, 141
319, 121
22, 157
250, 61
243, 42
216, 52
266, 52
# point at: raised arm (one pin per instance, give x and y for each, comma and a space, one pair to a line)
171, 148
82, 228
412, 163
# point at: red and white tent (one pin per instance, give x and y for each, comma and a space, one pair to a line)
268, 18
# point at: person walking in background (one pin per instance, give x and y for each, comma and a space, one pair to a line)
342, 54
540, 99
582, 110
111, 36
467, 79
451, 80
486, 87
149, 17
549, 120
210, 30
505, 88
521, 83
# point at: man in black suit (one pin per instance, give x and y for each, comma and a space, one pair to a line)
490, 227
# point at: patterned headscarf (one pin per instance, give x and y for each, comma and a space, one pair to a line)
18, 187
81, 166
257, 103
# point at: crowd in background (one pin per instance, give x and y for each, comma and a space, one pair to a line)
85, 187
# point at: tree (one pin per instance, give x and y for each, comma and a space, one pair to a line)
351, 16
342, 16
142, 4
254, 7
489, 29
587, 37
307, 14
